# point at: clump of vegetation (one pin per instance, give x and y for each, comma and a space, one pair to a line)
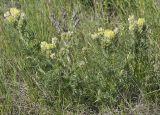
79, 57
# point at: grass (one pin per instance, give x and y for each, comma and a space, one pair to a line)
83, 77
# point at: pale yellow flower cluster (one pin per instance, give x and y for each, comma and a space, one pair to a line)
94, 36
101, 31
12, 15
64, 42
54, 40
15, 12
109, 34
105, 35
46, 46
133, 24
98, 34
140, 23
66, 35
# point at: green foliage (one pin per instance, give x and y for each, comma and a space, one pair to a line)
78, 75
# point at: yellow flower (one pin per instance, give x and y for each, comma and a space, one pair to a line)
12, 15
66, 35
116, 30
131, 19
10, 19
100, 31
54, 40
15, 12
7, 14
109, 34
132, 23
50, 46
94, 36
45, 46
140, 22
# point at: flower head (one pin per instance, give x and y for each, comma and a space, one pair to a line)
94, 36
109, 34
66, 35
10, 19
131, 18
54, 40
14, 12
140, 22
7, 14
50, 46
116, 30
132, 23
100, 31
12, 15
45, 46
105, 42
